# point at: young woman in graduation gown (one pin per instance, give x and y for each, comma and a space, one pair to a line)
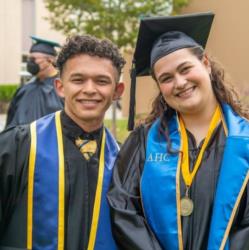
181, 180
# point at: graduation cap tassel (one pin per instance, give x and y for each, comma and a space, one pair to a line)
132, 107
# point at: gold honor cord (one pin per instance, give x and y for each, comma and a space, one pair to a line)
61, 183
97, 202
186, 203
32, 156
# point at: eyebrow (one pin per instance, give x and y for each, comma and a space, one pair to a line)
183, 64
76, 75
95, 76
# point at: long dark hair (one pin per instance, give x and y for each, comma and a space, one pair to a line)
224, 92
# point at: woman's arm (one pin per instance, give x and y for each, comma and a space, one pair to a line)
130, 228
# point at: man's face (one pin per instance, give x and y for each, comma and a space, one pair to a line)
88, 84
42, 60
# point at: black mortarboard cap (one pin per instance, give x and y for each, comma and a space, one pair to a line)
43, 46
160, 36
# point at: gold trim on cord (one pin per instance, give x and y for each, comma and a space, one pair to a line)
32, 157
233, 212
97, 202
178, 193
223, 121
61, 206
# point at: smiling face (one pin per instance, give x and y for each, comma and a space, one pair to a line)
89, 85
184, 81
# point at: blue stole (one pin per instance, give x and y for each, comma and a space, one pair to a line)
46, 191
104, 239
160, 183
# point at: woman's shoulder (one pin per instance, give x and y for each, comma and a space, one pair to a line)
140, 132
136, 138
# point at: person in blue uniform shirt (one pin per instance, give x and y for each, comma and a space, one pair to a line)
55, 173
181, 179
38, 97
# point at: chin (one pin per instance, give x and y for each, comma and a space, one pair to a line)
189, 109
91, 117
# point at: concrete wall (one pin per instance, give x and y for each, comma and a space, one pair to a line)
18, 20
28, 23
229, 38
10, 40
43, 28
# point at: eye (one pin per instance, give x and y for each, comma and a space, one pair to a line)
77, 80
103, 81
185, 69
165, 79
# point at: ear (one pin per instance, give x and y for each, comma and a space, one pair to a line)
51, 59
59, 87
119, 89
206, 62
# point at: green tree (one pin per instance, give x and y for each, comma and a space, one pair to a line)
114, 19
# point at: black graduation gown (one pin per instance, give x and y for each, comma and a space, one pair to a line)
80, 185
32, 101
130, 228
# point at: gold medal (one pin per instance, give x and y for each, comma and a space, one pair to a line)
187, 206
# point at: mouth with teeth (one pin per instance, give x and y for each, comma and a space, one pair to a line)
92, 103
186, 92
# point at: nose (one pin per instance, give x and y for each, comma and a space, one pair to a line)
89, 87
180, 81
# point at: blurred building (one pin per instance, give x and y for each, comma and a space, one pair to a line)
18, 20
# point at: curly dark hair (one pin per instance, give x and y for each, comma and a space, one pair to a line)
224, 92
90, 45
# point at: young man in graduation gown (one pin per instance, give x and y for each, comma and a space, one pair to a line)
181, 180
38, 97
54, 173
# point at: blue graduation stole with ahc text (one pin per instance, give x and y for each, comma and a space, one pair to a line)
160, 182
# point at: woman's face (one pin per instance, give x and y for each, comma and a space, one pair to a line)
184, 81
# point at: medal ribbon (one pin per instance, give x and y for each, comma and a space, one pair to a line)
187, 175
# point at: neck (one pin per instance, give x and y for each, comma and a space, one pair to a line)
198, 123
89, 127
86, 125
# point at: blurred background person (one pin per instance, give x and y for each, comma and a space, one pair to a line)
38, 97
